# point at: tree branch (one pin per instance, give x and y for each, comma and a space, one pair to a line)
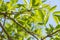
50, 35
4, 21
20, 25
9, 38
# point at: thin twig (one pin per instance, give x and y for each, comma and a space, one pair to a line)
4, 21
9, 38
50, 35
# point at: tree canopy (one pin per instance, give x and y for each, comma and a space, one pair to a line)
28, 21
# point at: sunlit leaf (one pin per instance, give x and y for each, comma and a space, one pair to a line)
1, 1
53, 8
56, 19
9, 6
40, 23
38, 31
51, 27
46, 6
17, 15
38, 16
46, 18
3, 8
19, 5
25, 1
29, 38
13, 1
20, 38
35, 3
47, 30
57, 27
38, 2
57, 13
44, 12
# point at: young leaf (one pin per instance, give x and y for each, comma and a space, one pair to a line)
44, 12
56, 19
9, 6
40, 23
25, 1
53, 8
38, 2
57, 13
30, 4
48, 30
13, 1
3, 7
35, 3
46, 18
16, 15
38, 31
29, 38
1, 1
19, 5
51, 27
21, 38
39, 16
58, 27
46, 6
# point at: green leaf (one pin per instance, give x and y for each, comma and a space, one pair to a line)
40, 23
19, 5
46, 6
1, 1
29, 38
38, 16
38, 2
21, 38
51, 27
25, 1
13, 1
57, 27
57, 13
3, 7
53, 8
58, 16
16, 15
35, 3
48, 31
44, 12
56, 19
38, 32
46, 18
9, 6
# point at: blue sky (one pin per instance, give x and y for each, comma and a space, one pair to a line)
52, 3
